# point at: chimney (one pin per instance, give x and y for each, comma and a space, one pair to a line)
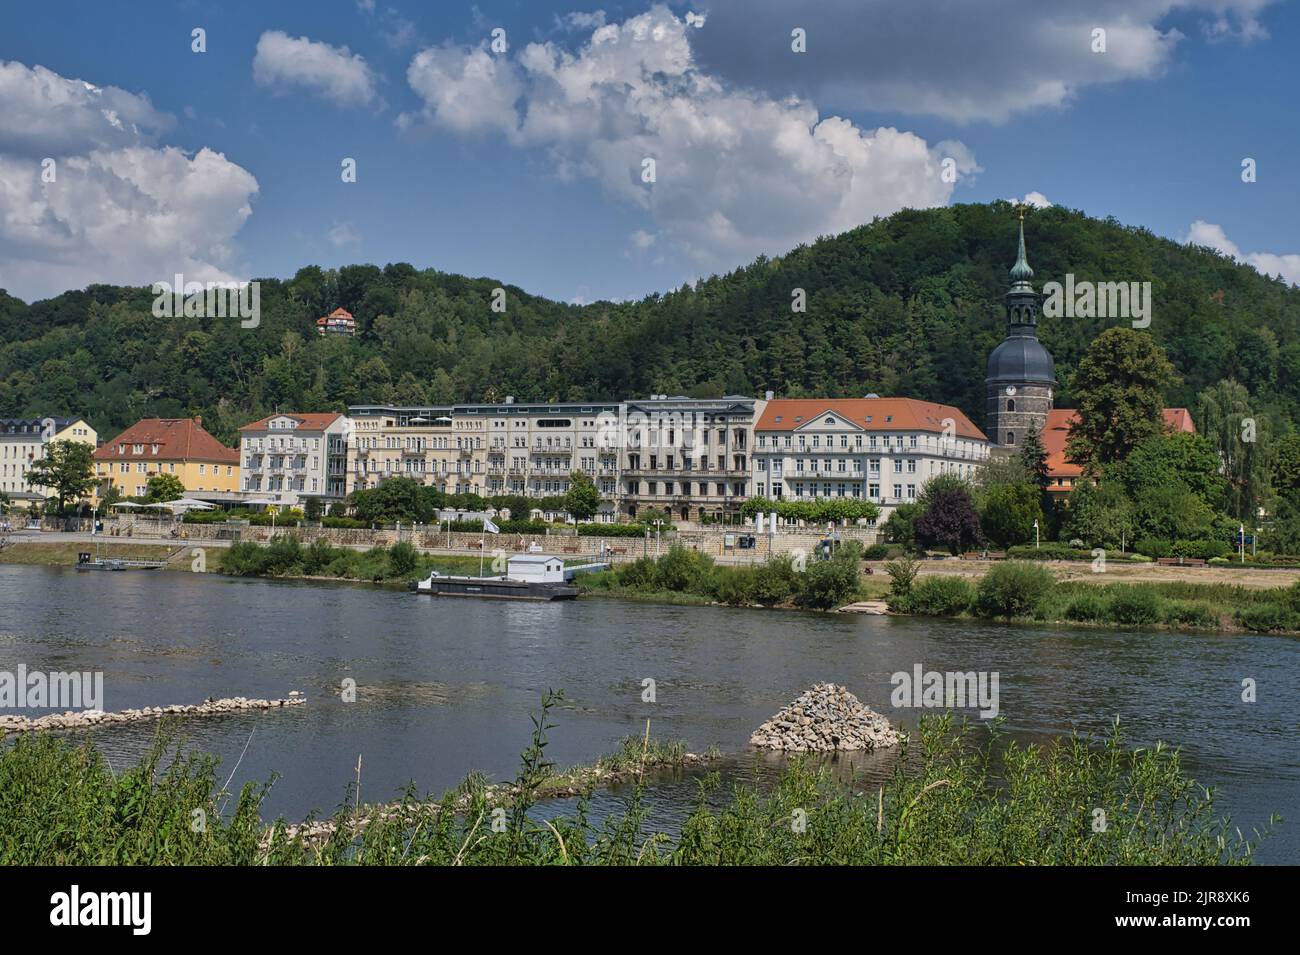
767, 395
198, 420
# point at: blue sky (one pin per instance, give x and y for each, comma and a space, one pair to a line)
525, 164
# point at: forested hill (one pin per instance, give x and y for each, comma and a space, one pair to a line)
909, 305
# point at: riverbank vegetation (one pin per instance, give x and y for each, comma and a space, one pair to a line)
780, 581
286, 557
1021, 590
957, 796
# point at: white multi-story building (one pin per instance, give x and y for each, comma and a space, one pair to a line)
23, 442
689, 457
529, 449
877, 449
289, 457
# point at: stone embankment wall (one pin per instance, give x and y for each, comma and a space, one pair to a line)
719, 543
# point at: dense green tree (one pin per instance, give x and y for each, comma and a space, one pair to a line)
582, 500
1177, 459
1241, 436
68, 469
1120, 389
164, 487
949, 521
1033, 458
1008, 513
1099, 515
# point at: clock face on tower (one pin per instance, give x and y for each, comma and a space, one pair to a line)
1011, 389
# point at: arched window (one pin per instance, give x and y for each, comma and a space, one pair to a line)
1011, 437
1011, 404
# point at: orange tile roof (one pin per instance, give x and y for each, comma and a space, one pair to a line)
1057, 431
870, 414
178, 439
312, 421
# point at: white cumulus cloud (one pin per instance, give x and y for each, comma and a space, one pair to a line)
112, 206
736, 172
283, 63
1267, 263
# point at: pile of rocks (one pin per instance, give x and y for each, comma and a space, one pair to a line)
88, 718
827, 717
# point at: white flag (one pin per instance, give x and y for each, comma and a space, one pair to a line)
490, 527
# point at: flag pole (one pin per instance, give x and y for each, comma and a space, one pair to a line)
482, 541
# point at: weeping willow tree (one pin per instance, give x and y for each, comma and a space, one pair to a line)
1242, 435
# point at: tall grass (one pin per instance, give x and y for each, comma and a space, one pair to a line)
954, 799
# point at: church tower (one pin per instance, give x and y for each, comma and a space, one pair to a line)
1021, 376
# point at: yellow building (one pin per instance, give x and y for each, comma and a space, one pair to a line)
23, 442
176, 446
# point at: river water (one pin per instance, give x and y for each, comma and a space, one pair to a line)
446, 686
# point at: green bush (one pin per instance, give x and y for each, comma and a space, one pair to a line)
683, 569
736, 586
1268, 618
1088, 606
830, 583
1135, 604
1048, 551
1154, 547
338, 521
1202, 549
1141, 559
1012, 589
775, 581
638, 575
402, 559
318, 556
1184, 613
902, 576
941, 595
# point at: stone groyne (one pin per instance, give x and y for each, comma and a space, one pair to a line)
826, 717
87, 719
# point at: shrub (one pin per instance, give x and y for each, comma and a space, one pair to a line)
350, 523
775, 581
1012, 589
244, 558
902, 575
1048, 551
829, 583
318, 556
1268, 618
402, 559
940, 595
1134, 605
1154, 547
683, 569
638, 575
1141, 559
736, 586
1185, 613
1203, 549
1089, 606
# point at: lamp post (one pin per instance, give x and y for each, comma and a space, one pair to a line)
1035, 535
1241, 530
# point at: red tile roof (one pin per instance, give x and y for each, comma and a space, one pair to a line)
870, 414
178, 439
337, 313
1057, 431
311, 421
